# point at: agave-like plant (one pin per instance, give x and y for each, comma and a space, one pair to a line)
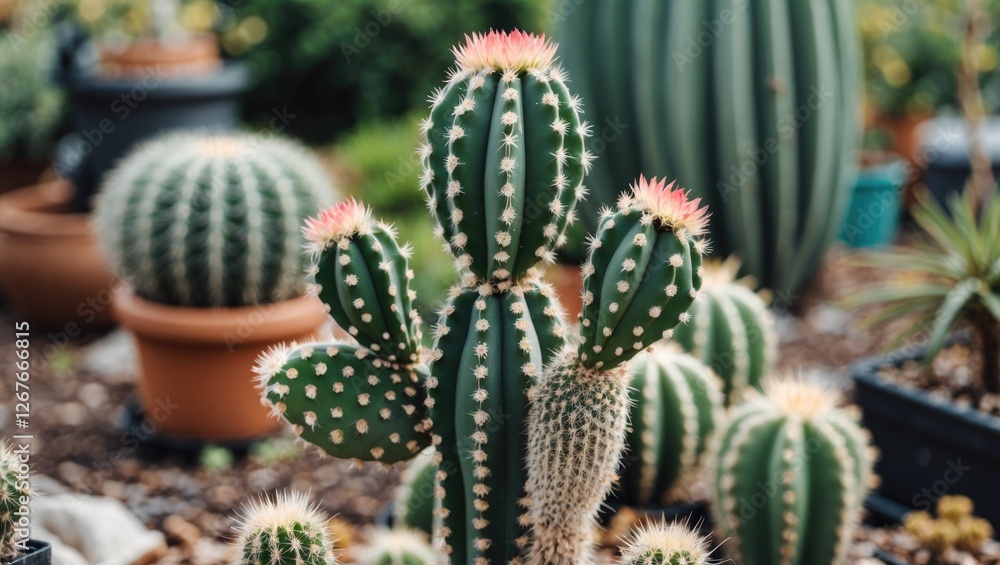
951, 276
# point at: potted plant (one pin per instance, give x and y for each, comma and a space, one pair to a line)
204, 230
148, 68
31, 103
876, 200
932, 419
15, 495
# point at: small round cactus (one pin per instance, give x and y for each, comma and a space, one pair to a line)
398, 546
286, 530
210, 220
731, 330
665, 544
14, 493
504, 158
792, 472
676, 407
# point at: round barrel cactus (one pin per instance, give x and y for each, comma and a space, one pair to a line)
199, 220
504, 158
676, 407
754, 104
792, 472
14, 492
731, 330
286, 530
665, 544
397, 546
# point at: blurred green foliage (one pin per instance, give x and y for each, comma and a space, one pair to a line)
31, 104
377, 164
120, 20
335, 63
912, 51
214, 458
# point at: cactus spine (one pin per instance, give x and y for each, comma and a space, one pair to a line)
504, 159
665, 544
355, 401
284, 531
731, 330
14, 493
792, 473
676, 407
397, 546
202, 220
642, 274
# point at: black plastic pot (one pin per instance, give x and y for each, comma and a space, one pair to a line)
111, 115
888, 559
39, 553
929, 447
944, 145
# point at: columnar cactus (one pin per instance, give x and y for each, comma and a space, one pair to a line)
355, 401
14, 493
398, 546
641, 276
208, 220
792, 472
286, 530
414, 503
665, 544
676, 407
731, 330
504, 157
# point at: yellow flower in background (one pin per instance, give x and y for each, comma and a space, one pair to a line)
986, 58
91, 10
254, 29
199, 16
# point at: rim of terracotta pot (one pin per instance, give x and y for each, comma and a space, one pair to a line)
264, 323
43, 210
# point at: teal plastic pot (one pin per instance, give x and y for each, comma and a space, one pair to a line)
873, 217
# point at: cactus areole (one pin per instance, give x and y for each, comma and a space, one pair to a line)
503, 392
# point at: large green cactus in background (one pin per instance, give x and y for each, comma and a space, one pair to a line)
754, 104
200, 220
792, 471
676, 407
731, 330
527, 423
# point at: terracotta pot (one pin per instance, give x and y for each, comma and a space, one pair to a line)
192, 56
568, 282
50, 267
197, 379
18, 172
905, 138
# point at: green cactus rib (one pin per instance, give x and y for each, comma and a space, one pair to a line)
414, 503
284, 531
193, 220
365, 280
639, 282
762, 122
504, 162
731, 331
676, 407
350, 403
490, 346
792, 473
14, 492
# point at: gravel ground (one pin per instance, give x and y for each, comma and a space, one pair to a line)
78, 406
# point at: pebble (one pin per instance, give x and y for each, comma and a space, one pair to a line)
181, 531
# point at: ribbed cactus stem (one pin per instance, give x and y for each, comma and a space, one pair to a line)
665, 544
199, 220
792, 472
285, 530
504, 158
414, 503
396, 546
14, 492
575, 438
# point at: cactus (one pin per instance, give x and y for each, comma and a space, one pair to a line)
414, 503
731, 330
954, 527
642, 274
676, 407
204, 221
665, 544
287, 530
397, 546
792, 472
762, 119
503, 162
15, 490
